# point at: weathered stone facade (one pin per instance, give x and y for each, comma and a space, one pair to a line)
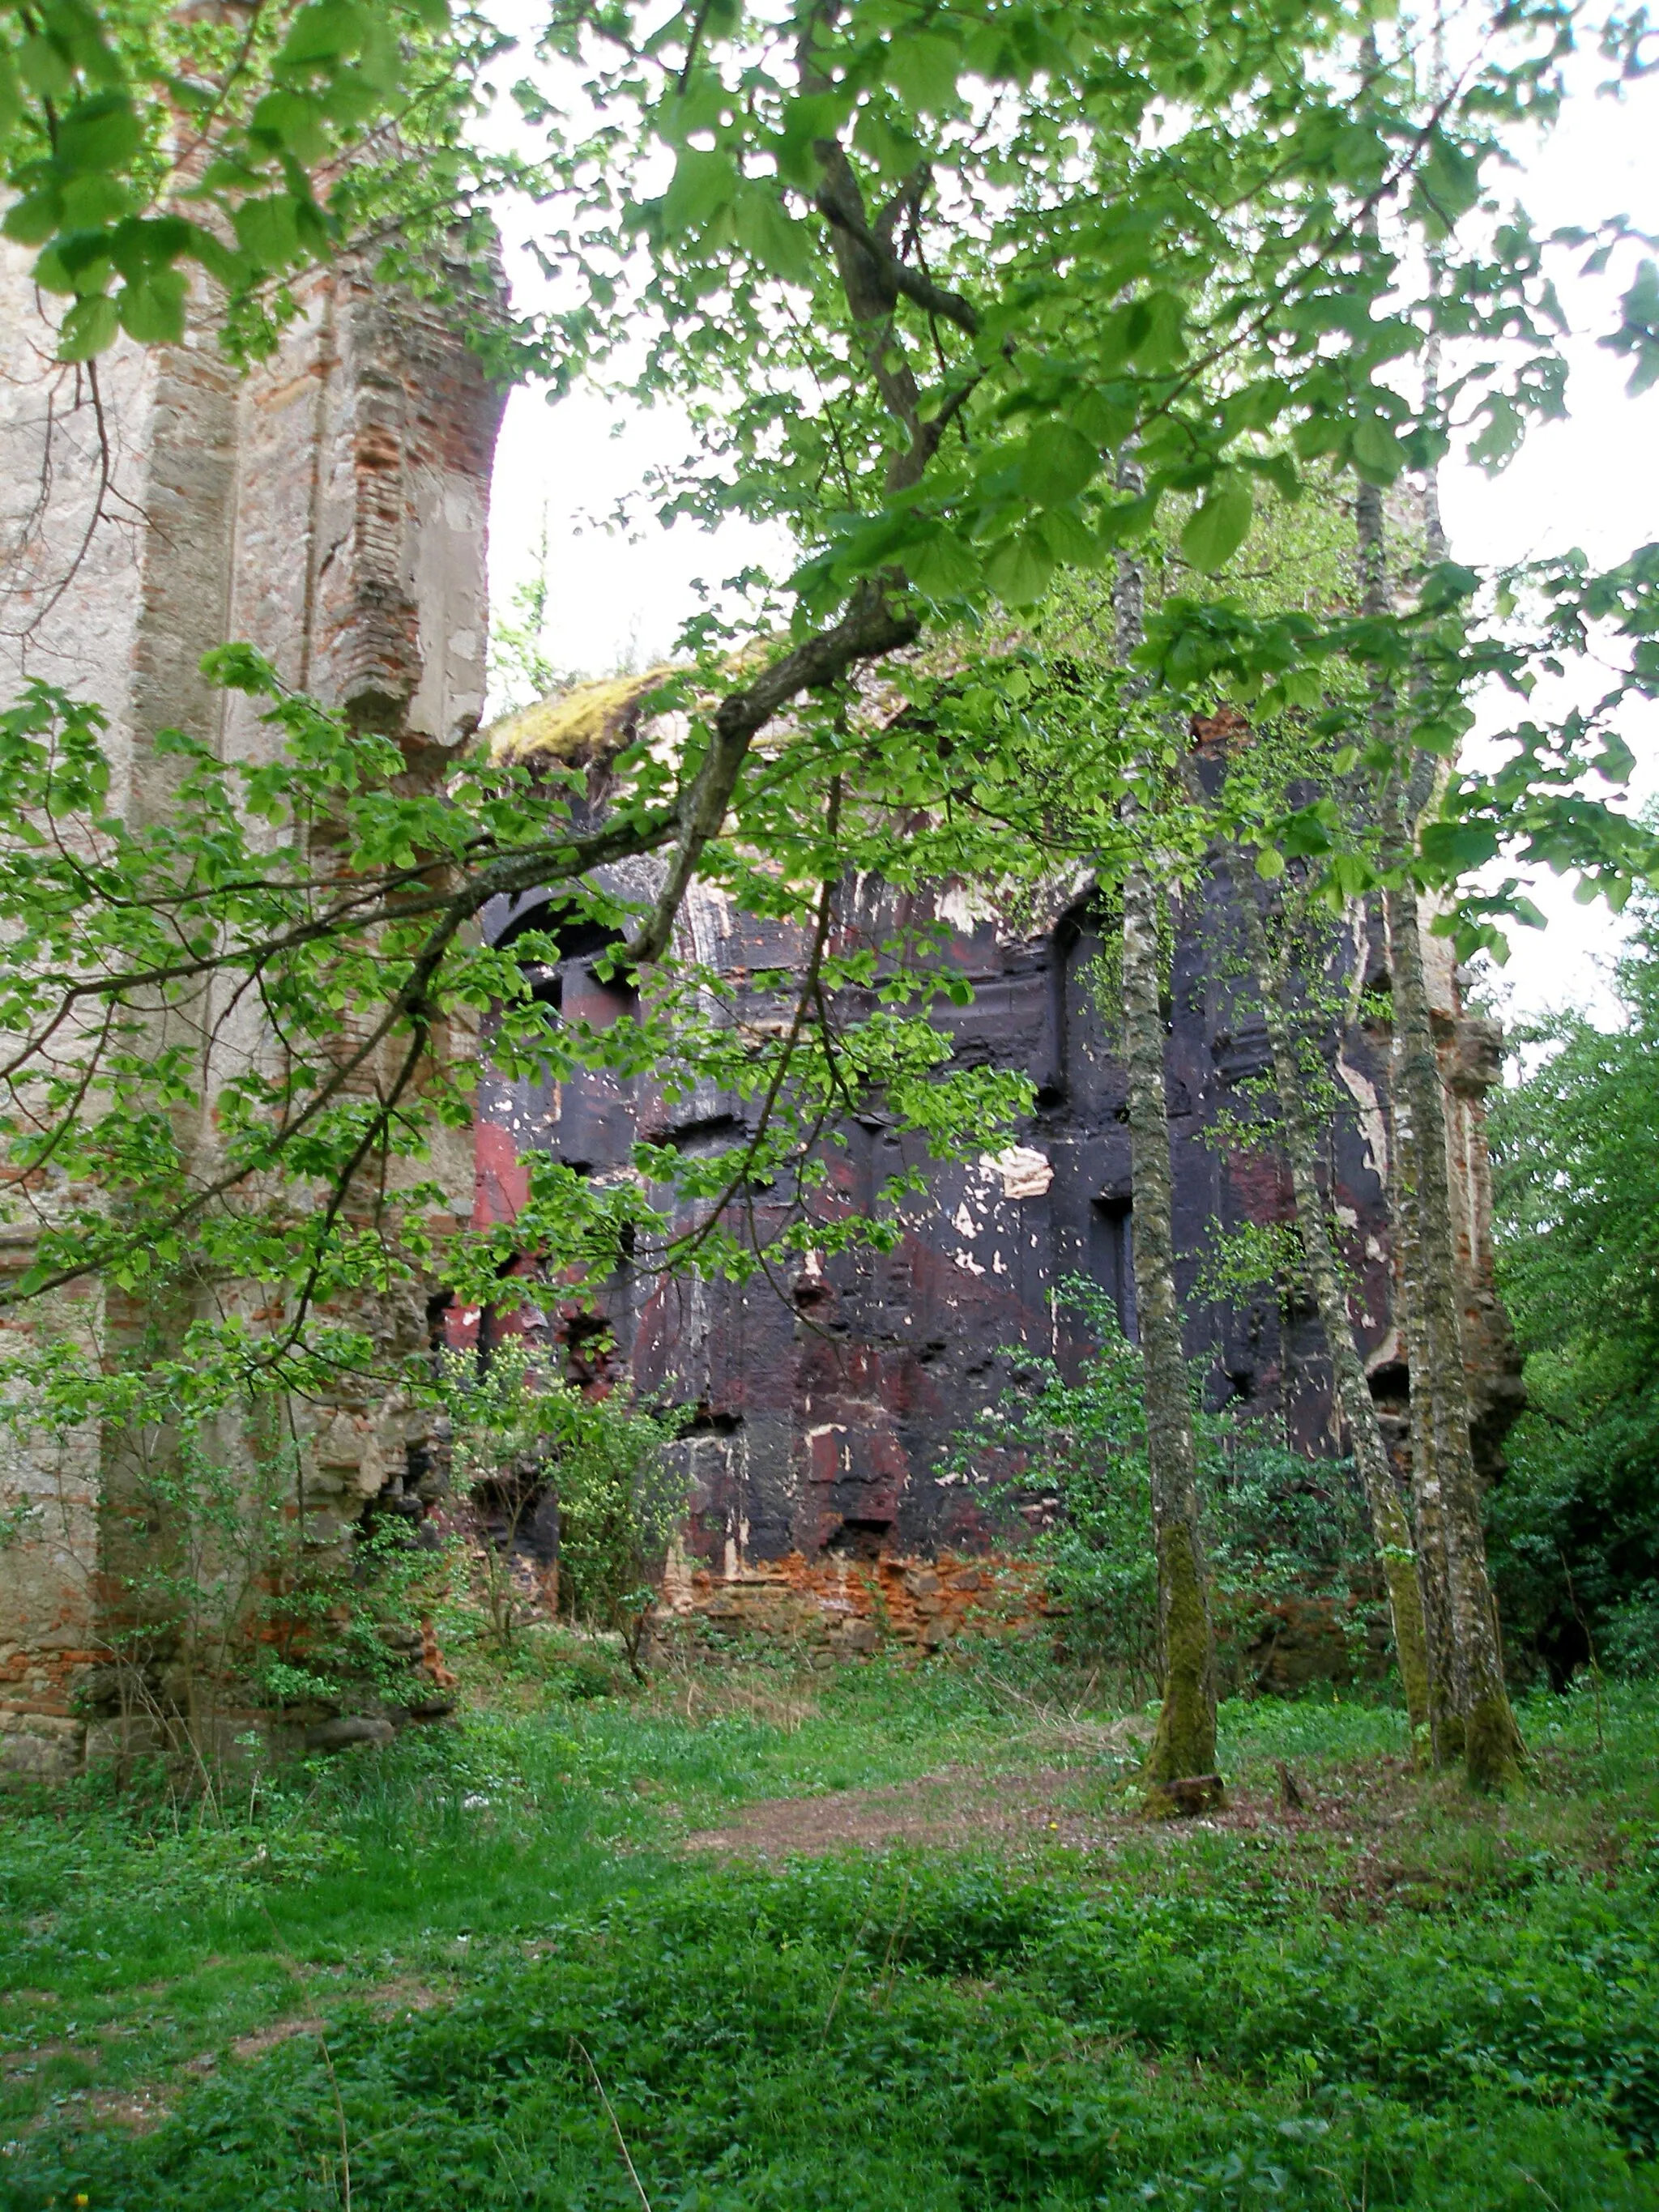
824, 1406
328, 507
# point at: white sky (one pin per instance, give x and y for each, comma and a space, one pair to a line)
618, 600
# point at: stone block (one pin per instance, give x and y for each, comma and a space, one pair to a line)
347, 1730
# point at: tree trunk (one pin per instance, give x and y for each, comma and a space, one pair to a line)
1184, 1744
1433, 1572
1390, 1525
1434, 1578
1444, 1478
1492, 1750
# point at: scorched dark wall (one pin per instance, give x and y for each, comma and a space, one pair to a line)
825, 1399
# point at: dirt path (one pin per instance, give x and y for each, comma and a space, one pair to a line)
958, 1806
963, 1807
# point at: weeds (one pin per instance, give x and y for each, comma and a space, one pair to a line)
1241, 2016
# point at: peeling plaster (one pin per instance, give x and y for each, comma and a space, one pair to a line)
1025, 1172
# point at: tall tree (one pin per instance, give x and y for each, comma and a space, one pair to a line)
1476, 1720
1298, 1135
1184, 1744
917, 276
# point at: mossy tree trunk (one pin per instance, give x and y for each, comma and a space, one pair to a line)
1492, 1750
1299, 1137
1184, 1744
1460, 1617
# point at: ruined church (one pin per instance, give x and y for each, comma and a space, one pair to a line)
330, 507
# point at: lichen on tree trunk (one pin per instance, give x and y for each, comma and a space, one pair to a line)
1390, 1525
1492, 1750
1460, 1616
1185, 1742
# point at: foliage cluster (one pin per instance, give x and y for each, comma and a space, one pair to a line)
516, 1435
139, 139
1062, 1457
226, 1587
1575, 1142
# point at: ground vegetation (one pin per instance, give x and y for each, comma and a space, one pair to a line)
759, 1933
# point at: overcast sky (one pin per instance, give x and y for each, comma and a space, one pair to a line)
618, 600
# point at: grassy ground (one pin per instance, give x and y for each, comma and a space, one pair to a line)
888, 1938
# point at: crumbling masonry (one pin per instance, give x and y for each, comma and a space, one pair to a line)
329, 508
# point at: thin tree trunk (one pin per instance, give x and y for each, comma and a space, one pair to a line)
1433, 1569
1492, 1750
1185, 1742
1434, 1578
1390, 1525
1444, 1481
1184, 1745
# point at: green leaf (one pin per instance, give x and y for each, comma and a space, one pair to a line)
1377, 452
1269, 864
1616, 760
266, 230
49, 273
294, 121
922, 67
136, 248
703, 183
1215, 532
943, 567
89, 328
1105, 414
768, 236
1019, 571
1156, 338
231, 270
1305, 832
323, 32
45, 68
814, 115
1057, 463
1358, 155
153, 310
895, 152
1505, 427
1070, 539
92, 200
1126, 521
1453, 848
1448, 182
35, 218
103, 132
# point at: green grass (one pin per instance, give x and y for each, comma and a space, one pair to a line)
1403, 1999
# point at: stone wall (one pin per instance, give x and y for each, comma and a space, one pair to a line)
328, 507
822, 1406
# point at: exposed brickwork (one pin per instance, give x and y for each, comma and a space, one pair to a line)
329, 507
842, 1608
